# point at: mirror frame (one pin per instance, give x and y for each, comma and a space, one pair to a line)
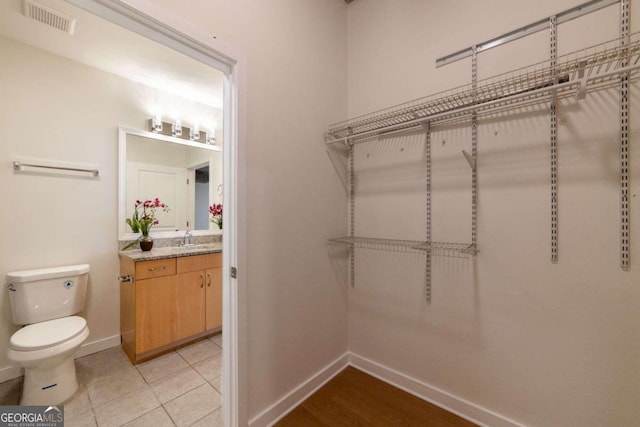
122, 182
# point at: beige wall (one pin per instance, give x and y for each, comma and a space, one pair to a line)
295, 86
539, 343
55, 109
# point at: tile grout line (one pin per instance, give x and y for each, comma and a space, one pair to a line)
206, 415
200, 419
93, 407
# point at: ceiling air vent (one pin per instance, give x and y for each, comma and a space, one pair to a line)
48, 16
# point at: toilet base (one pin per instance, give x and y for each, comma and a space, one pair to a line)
50, 386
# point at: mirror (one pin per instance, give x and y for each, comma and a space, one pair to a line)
185, 175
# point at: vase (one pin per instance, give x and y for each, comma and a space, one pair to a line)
146, 243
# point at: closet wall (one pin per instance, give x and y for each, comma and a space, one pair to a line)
296, 306
535, 342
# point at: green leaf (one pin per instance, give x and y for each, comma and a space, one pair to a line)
134, 224
128, 245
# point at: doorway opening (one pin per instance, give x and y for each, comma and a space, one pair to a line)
200, 192
153, 23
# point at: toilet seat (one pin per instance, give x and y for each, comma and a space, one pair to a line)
47, 334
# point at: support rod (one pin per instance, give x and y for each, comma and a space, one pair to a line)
543, 24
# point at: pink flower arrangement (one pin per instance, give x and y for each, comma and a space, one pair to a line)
216, 214
144, 215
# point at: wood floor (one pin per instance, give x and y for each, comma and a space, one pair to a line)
354, 398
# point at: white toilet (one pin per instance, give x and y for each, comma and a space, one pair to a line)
46, 300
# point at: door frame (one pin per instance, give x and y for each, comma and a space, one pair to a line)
155, 23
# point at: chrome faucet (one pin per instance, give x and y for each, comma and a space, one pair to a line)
187, 241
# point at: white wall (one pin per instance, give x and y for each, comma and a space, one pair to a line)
295, 86
59, 110
538, 343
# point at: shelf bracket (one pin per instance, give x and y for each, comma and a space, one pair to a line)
581, 91
470, 160
338, 158
427, 159
624, 143
352, 212
553, 131
474, 150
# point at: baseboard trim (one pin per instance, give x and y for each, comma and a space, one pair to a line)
9, 373
98, 345
286, 404
456, 405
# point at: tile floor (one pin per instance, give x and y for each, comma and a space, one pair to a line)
181, 388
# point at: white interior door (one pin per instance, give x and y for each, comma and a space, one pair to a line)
167, 183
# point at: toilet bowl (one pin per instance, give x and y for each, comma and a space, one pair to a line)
46, 301
46, 351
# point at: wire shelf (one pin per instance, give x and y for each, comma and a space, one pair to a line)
446, 249
379, 244
449, 249
575, 73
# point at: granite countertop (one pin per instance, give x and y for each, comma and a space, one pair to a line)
172, 251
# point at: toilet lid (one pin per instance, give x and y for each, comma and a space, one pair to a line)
45, 334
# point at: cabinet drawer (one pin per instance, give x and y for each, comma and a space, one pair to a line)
199, 262
155, 268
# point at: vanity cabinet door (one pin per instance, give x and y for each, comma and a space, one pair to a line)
170, 302
156, 316
190, 304
214, 298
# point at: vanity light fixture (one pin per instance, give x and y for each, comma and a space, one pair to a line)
211, 137
156, 123
194, 133
176, 129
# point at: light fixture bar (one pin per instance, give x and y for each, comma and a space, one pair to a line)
177, 130
540, 25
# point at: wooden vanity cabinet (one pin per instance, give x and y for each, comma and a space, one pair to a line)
213, 298
169, 303
204, 271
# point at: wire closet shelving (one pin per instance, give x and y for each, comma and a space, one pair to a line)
609, 64
575, 74
455, 250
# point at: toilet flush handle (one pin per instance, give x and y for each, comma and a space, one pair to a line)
10, 287
127, 278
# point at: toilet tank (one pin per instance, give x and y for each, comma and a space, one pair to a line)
47, 293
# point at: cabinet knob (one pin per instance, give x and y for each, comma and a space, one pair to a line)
162, 267
208, 280
202, 281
